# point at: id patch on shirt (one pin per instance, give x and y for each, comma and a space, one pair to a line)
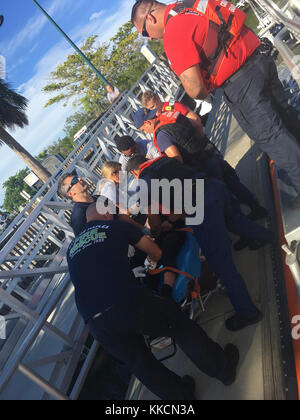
86, 239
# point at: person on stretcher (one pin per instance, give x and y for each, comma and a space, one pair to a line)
170, 238
220, 214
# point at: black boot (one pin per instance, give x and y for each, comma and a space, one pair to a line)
237, 322
229, 373
252, 244
242, 243
190, 384
295, 203
166, 291
258, 212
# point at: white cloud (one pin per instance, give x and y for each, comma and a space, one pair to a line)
96, 15
105, 26
30, 31
46, 125
32, 28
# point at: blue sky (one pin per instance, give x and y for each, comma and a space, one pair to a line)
33, 47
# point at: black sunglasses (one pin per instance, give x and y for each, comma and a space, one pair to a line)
144, 31
74, 181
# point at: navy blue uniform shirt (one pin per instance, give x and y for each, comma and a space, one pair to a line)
99, 266
78, 218
165, 140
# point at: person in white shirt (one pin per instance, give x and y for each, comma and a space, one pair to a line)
112, 93
129, 147
109, 185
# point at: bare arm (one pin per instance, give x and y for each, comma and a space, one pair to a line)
150, 248
154, 221
196, 122
128, 219
193, 83
173, 152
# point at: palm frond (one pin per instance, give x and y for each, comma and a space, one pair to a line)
12, 107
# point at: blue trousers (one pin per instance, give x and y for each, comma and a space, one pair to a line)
253, 99
212, 236
121, 331
214, 167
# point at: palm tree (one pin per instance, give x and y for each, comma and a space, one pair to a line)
12, 114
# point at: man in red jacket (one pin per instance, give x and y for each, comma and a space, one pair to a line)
205, 53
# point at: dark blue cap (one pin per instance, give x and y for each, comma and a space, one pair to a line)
143, 115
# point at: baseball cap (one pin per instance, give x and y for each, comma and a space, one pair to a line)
142, 115
136, 4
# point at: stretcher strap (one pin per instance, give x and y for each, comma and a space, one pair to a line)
186, 229
175, 270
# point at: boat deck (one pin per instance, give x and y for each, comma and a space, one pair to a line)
261, 371
266, 369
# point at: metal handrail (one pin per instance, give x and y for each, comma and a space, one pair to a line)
286, 54
13, 365
73, 156
279, 16
49, 286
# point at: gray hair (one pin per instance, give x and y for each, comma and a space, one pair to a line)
62, 188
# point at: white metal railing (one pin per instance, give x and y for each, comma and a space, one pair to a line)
288, 56
293, 25
45, 335
44, 312
268, 13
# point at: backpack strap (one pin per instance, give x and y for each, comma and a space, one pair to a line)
224, 36
180, 7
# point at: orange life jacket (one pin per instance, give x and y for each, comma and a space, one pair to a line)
168, 106
189, 143
165, 118
148, 163
224, 24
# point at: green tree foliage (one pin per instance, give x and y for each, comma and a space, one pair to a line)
122, 64
14, 186
74, 79
75, 122
41, 156
119, 60
61, 147
126, 63
251, 21
64, 146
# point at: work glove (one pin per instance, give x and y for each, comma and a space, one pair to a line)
139, 272
149, 264
155, 233
146, 231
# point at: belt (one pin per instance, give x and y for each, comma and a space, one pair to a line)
210, 147
100, 314
206, 146
241, 70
